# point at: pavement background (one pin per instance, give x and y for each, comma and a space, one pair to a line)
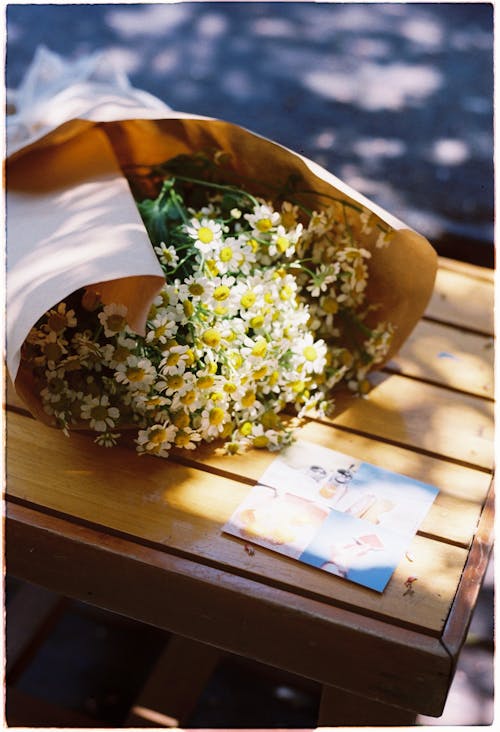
397, 100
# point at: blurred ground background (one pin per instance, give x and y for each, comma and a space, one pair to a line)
397, 100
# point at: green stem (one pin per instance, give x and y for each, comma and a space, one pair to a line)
332, 198
218, 186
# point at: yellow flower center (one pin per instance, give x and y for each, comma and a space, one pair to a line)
264, 225
260, 441
221, 293
205, 382
216, 416
212, 268
181, 420
286, 292
182, 439
346, 359
270, 420
260, 348
226, 254
196, 289
115, 322
173, 359
282, 244
257, 321
236, 359
246, 429
160, 331
211, 337
57, 322
134, 373
330, 305
310, 353
260, 373
99, 412
121, 354
248, 399
248, 299
175, 382
158, 435
188, 308
205, 234
188, 398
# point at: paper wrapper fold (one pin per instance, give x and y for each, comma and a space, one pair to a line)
72, 221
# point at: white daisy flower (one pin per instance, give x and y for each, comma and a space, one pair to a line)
167, 255
187, 438
113, 319
175, 361
213, 420
263, 218
136, 373
207, 234
156, 440
102, 415
311, 354
60, 318
161, 328
107, 439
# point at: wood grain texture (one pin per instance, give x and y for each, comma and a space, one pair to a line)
246, 616
464, 301
142, 537
474, 271
447, 356
474, 571
423, 417
183, 509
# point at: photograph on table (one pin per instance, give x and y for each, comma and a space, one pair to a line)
333, 512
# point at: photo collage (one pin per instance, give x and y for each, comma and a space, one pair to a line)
331, 511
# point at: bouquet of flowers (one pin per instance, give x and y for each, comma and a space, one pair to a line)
196, 299
263, 308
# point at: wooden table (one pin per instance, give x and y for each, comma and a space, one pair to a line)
142, 537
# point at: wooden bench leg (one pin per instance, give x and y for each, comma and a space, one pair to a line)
172, 689
339, 708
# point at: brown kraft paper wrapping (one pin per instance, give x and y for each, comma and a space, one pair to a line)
82, 152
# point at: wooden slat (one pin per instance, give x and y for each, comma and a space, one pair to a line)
184, 509
464, 301
453, 515
454, 521
446, 355
470, 270
422, 416
174, 685
238, 614
471, 580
